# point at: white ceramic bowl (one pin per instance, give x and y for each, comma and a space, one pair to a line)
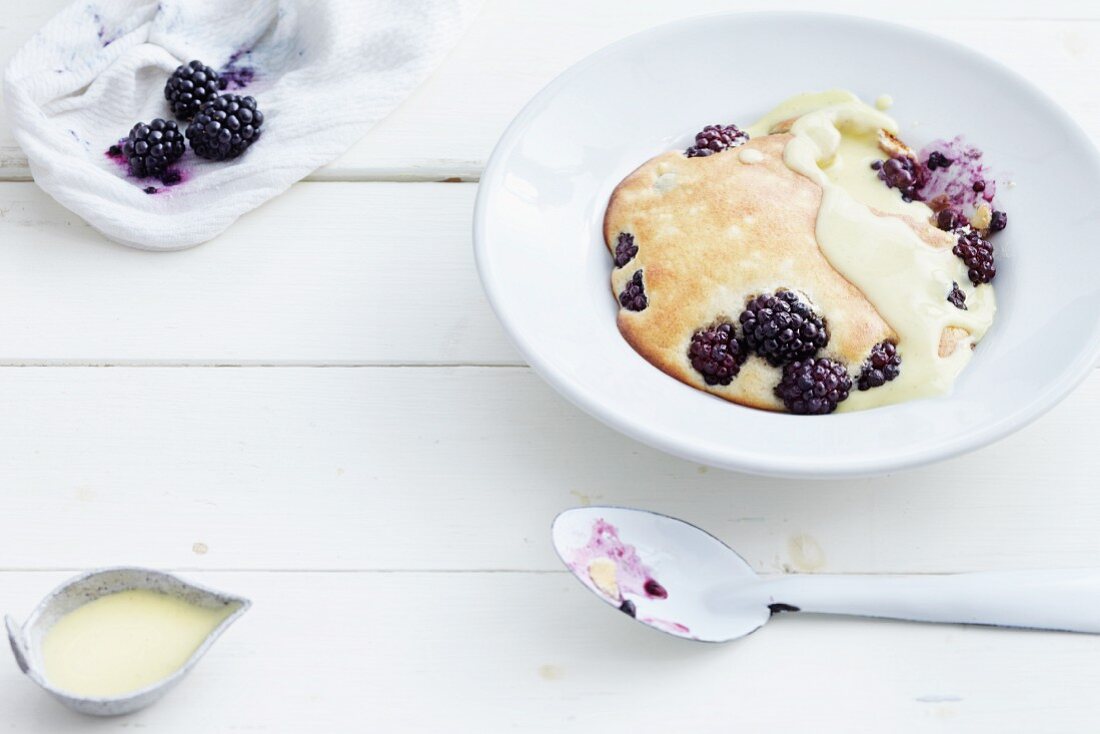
546, 271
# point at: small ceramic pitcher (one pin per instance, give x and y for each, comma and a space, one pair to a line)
26, 641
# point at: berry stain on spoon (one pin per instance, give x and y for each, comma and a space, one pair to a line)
615, 571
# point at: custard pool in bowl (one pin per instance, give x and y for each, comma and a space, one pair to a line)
544, 261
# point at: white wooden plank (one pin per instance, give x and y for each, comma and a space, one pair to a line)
334, 273
514, 51
463, 468
447, 127
535, 653
328, 273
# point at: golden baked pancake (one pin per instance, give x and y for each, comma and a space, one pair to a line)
708, 247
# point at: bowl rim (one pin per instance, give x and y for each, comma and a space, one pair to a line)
734, 458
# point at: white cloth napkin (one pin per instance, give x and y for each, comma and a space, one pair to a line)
322, 71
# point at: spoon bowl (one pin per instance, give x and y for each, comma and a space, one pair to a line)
713, 595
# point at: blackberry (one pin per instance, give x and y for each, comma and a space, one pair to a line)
883, 365
813, 386
628, 608
625, 249
190, 87
781, 328
716, 138
999, 221
225, 127
956, 297
716, 353
949, 220
150, 149
938, 160
902, 173
633, 297
977, 253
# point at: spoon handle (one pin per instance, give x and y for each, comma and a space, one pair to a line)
1067, 600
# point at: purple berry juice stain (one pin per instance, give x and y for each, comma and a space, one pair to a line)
236, 56
654, 590
632, 576
237, 75
115, 154
105, 38
666, 625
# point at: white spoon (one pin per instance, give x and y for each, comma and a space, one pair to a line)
677, 578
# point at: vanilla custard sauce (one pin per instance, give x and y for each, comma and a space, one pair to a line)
120, 643
835, 139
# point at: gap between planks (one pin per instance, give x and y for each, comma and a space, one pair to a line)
245, 569
456, 571
447, 172
289, 364
170, 364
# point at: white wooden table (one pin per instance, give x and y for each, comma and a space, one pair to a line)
318, 410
